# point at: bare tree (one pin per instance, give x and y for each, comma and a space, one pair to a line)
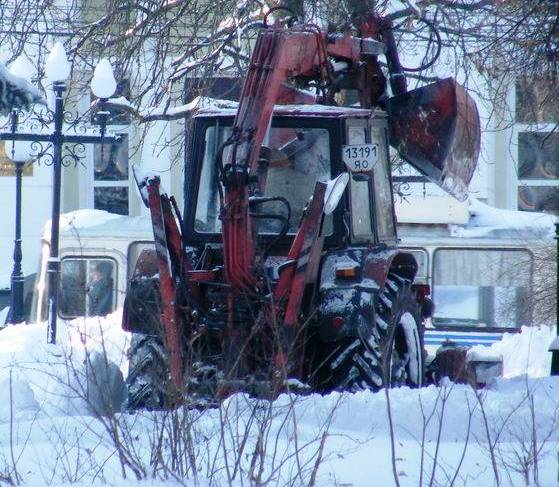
171, 51
159, 45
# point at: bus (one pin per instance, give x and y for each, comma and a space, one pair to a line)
485, 267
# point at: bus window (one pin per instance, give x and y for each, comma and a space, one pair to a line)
482, 287
87, 287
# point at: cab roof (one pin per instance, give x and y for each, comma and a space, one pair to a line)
297, 111
212, 107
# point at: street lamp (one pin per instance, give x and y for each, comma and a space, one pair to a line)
19, 153
58, 70
554, 347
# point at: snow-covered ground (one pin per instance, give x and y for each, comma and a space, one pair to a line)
51, 432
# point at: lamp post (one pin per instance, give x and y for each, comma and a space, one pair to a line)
555, 344
19, 154
103, 85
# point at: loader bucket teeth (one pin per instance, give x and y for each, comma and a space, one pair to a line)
436, 129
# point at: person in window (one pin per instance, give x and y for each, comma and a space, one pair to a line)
100, 290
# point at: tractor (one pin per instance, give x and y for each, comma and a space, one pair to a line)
284, 271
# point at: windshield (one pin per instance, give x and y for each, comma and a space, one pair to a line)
299, 157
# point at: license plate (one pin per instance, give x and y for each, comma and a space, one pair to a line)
360, 158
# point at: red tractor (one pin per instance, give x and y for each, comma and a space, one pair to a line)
284, 271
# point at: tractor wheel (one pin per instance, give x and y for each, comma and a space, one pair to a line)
148, 380
391, 355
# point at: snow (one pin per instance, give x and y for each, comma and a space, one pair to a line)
164, 112
524, 353
488, 221
431, 210
100, 224
57, 67
23, 68
103, 84
58, 437
81, 219
212, 106
409, 325
120, 101
472, 218
143, 177
54, 375
3, 313
16, 92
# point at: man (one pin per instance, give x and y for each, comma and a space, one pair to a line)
100, 290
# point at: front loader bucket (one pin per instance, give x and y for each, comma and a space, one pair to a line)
436, 129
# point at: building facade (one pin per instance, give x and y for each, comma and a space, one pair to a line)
518, 167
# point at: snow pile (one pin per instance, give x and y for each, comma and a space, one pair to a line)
20, 401
85, 218
431, 210
74, 376
487, 221
524, 353
81, 219
337, 439
120, 102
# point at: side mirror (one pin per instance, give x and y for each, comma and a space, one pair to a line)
334, 190
143, 178
140, 184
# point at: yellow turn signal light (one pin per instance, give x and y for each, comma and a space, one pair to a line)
346, 272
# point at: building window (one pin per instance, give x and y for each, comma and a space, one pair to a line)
110, 177
536, 101
537, 116
109, 186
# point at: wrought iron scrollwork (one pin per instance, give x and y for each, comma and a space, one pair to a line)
40, 123
74, 154
42, 152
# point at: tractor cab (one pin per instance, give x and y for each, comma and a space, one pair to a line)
304, 145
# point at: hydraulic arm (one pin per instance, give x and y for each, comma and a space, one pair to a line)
436, 128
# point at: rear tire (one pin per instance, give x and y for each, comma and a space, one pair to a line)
391, 354
148, 380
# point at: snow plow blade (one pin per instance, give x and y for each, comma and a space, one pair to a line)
436, 129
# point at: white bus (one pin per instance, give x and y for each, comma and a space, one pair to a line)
486, 268
483, 265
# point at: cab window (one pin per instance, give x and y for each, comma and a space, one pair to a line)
384, 215
359, 188
299, 158
482, 287
87, 287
